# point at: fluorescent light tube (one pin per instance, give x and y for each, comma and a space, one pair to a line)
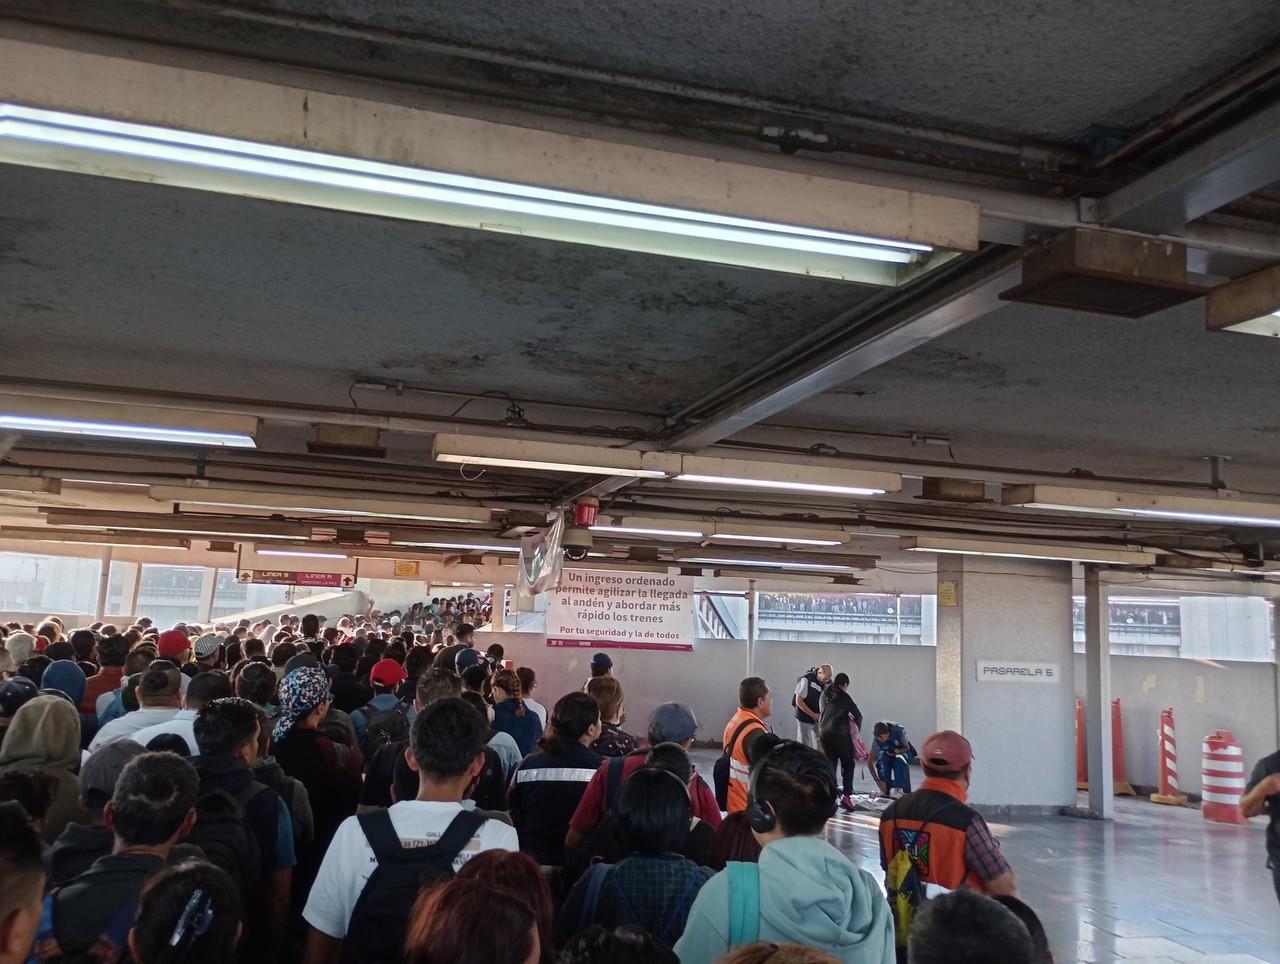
817, 477
300, 554
1029, 550
82, 537
1217, 510
459, 545
816, 487
321, 503
58, 139
642, 531
30, 483
140, 433
481, 450
780, 540
768, 563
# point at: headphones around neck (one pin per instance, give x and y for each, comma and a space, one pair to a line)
761, 816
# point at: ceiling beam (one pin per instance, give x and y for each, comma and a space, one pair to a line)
1238, 161
942, 302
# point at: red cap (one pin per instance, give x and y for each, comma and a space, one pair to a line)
947, 750
387, 672
172, 642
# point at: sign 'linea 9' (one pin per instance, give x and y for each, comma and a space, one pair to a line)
1009, 671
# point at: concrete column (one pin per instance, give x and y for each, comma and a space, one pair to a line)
1014, 614
208, 584
1097, 700
129, 590
104, 581
499, 623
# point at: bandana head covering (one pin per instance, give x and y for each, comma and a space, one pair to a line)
301, 691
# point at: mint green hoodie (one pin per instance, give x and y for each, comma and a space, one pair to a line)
810, 894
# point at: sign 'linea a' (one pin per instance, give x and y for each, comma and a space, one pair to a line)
281, 577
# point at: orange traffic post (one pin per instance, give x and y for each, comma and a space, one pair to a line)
1082, 765
1222, 778
1168, 793
1123, 788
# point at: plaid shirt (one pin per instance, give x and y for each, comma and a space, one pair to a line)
982, 852
654, 893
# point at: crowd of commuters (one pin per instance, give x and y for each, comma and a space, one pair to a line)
383, 790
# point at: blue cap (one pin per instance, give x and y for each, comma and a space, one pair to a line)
672, 723
602, 660
467, 658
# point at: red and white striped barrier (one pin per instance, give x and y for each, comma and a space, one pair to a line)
1168, 792
1222, 779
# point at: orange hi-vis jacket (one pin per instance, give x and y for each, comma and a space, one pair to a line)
939, 844
739, 768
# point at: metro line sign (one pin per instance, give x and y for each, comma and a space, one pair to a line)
282, 577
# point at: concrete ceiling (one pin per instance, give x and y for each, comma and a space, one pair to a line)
1032, 69
217, 294
1059, 390
116, 283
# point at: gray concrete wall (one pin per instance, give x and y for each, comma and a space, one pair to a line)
886, 681
1235, 696
898, 682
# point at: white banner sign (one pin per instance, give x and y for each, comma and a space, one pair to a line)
621, 610
1009, 671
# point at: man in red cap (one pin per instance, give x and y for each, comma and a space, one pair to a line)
175, 646
385, 718
950, 843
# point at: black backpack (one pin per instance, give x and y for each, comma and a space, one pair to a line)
376, 932
223, 833
383, 727
720, 772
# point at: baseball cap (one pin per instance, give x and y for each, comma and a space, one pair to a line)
467, 658
605, 662
14, 693
672, 723
387, 672
947, 750
101, 771
172, 642
207, 645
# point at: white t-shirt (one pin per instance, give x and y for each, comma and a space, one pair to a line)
182, 725
349, 862
537, 708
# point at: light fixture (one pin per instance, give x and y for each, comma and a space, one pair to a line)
32, 414
775, 559
47, 138
461, 546
201, 527
480, 450
778, 540
777, 535
1012, 549
631, 527
1250, 305
30, 483
81, 537
1225, 509
819, 478
300, 554
318, 502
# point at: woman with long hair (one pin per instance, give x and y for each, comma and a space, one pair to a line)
510, 715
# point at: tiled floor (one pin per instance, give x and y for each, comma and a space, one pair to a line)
1157, 884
